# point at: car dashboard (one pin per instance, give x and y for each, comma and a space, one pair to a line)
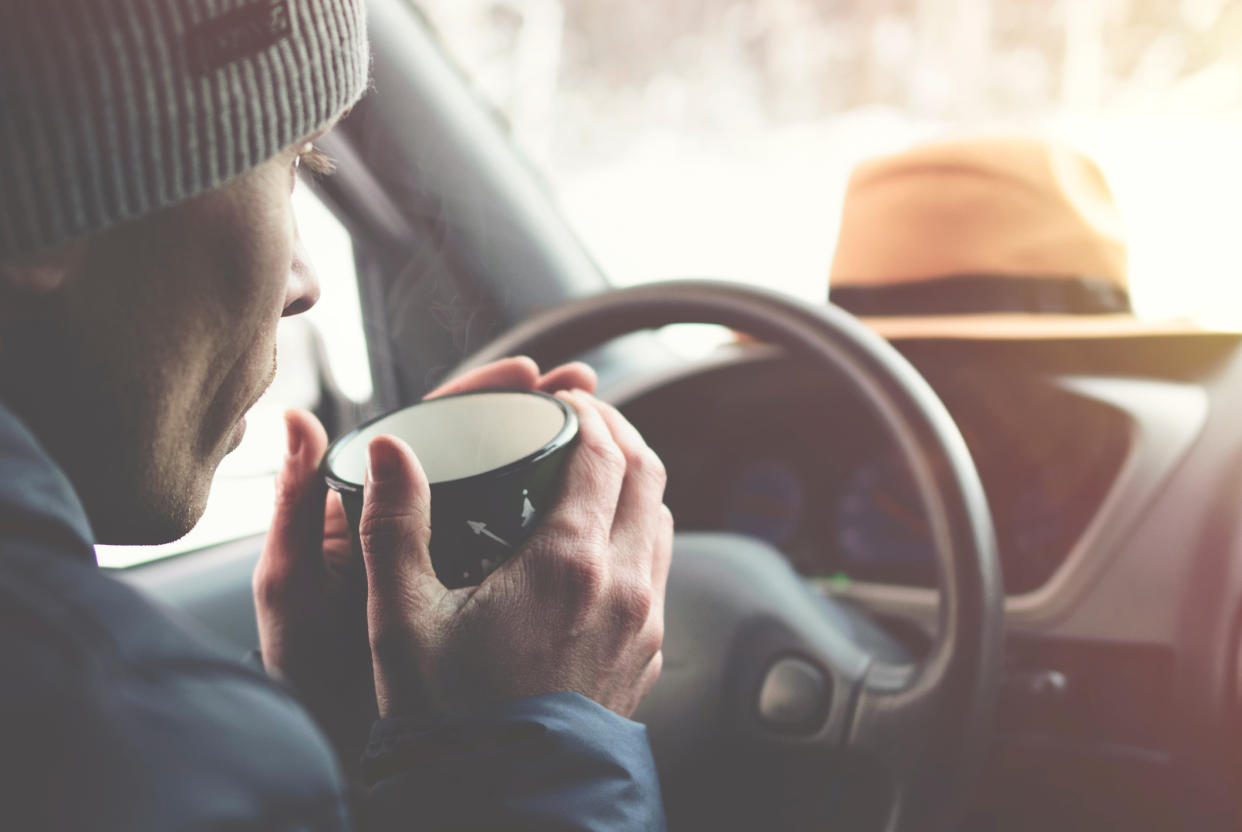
800, 464
1105, 463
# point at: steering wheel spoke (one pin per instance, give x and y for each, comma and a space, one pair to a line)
748, 643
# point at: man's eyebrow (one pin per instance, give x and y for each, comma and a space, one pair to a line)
317, 163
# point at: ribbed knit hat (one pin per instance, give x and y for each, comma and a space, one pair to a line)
112, 109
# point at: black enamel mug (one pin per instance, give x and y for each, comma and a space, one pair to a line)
493, 459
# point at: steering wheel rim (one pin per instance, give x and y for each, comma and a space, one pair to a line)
929, 725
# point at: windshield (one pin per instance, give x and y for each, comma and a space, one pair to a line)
714, 138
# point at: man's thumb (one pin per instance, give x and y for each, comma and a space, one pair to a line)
395, 528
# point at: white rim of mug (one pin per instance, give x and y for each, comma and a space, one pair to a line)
569, 430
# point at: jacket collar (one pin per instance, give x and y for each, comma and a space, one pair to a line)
36, 498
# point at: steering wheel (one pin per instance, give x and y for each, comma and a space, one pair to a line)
758, 663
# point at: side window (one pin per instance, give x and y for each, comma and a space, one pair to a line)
330, 334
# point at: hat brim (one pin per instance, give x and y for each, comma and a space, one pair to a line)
1025, 327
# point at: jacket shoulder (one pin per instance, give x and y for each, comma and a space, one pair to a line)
117, 716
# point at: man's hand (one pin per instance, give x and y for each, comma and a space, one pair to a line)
312, 624
579, 608
312, 631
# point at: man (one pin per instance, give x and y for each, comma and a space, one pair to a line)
148, 149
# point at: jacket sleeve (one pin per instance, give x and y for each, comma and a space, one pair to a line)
554, 762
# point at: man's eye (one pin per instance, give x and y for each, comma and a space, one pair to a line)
314, 160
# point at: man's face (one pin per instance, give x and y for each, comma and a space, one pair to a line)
137, 369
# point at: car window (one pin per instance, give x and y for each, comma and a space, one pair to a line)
241, 496
714, 137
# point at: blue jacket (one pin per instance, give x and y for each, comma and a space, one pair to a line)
117, 714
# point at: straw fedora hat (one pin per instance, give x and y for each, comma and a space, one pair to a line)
985, 238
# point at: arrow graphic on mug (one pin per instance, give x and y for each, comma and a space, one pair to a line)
481, 528
528, 511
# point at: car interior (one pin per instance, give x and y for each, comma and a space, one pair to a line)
972, 583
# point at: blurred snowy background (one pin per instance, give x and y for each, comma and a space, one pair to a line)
714, 137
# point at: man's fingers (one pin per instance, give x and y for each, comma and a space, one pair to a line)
335, 523
573, 376
295, 537
338, 554
663, 557
593, 476
520, 373
639, 518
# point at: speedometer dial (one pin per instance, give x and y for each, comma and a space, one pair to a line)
766, 501
882, 533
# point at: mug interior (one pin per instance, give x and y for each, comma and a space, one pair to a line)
460, 436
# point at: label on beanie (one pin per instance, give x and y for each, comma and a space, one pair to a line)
219, 41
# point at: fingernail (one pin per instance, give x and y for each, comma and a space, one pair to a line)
382, 464
293, 440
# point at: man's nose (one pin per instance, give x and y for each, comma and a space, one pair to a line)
302, 291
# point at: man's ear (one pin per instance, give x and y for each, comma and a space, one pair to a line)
43, 271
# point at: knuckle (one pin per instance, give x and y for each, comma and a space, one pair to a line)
645, 464
565, 574
378, 530
653, 467
555, 529
657, 639
632, 602
583, 575
651, 640
648, 677
290, 487
653, 670
606, 452
286, 494
267, 585
286, 485
573, 533
272, 580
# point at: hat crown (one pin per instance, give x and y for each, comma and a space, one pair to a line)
1033, 221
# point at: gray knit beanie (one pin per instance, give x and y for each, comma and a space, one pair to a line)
111, 109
